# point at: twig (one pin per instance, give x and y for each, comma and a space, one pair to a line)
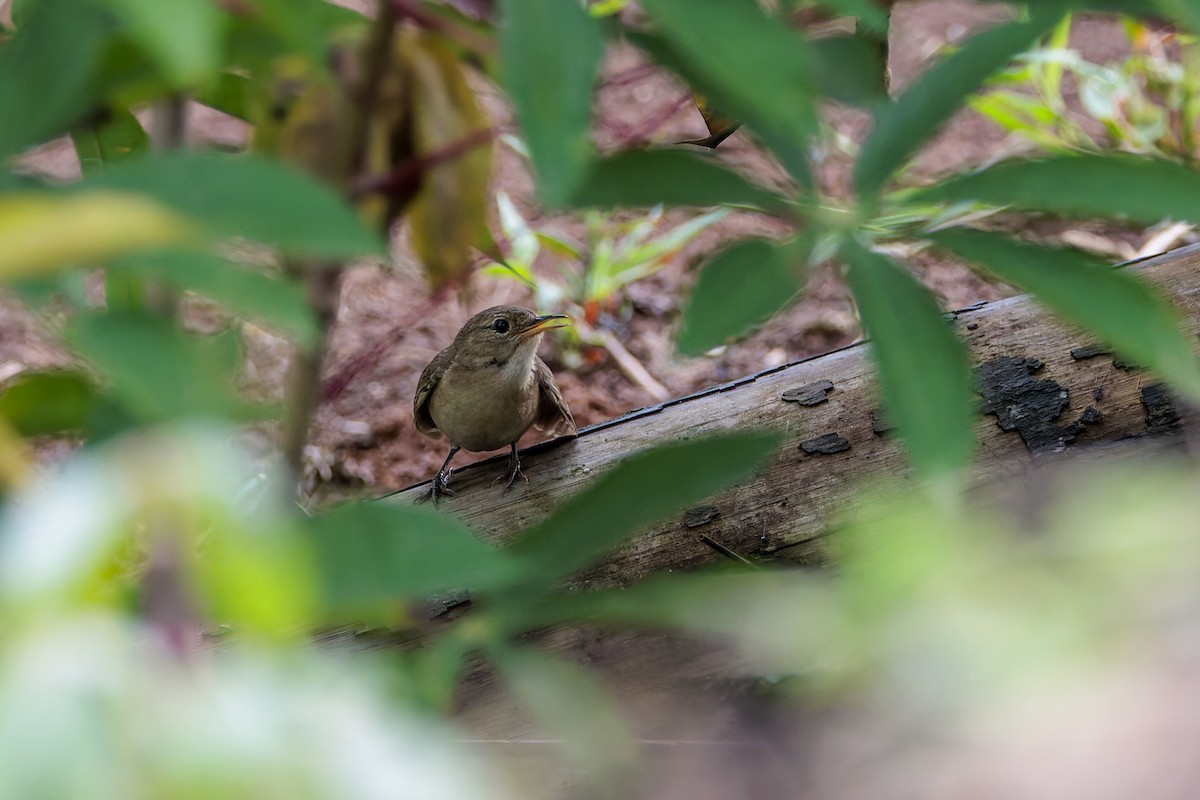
1164, 240
404, 181
410, 10
323, 281
632, 368
348, 371
725, 551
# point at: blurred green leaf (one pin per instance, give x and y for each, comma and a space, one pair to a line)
738, 289
182, 36
1142, 189
870, 13
47, 72
568, 704
746, 63
667, 177
48, 403
374, 555
230, 93
158, 371
641, 489
901, 127
276, 301
1111, 303
550, 53
1184, 11
118, 136
923, 374
249, 196
850, 69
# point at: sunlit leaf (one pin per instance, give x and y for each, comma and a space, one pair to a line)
41, 403
47, 72
183, 36
449, 212
642, 488
373, 555
1141, 189
251, 197
1114, 304
550, 53
44, 232
667, 177
903, 126
740, 288
158, 371
923, 372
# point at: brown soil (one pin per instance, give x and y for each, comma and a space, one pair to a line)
364, 440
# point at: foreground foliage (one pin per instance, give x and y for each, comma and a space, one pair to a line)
161, 523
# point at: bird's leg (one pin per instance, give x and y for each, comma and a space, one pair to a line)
514, 469
441, 481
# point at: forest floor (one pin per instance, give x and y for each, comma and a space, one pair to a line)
364, 440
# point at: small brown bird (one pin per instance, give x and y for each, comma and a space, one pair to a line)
489, 386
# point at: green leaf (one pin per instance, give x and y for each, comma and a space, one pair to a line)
42, 232
159, 372
1145, 190
850, 69
923, 372
740, 288
1183, 11
373, 554
903, 126
182, 36
117, 137
277, 301
667, 177
49, 403
47, 72
230, 93
550, 53
252, 197
1114, 304
748, 64
567, 703
641, 489
870, 13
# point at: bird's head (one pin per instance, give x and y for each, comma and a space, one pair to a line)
500, 333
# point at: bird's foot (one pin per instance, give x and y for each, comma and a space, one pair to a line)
514, 472
440, 488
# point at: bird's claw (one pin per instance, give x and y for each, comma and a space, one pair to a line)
514, 472
440, 488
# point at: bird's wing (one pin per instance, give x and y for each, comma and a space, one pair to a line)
425, 385
553, 415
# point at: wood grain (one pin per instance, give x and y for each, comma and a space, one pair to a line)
787, 511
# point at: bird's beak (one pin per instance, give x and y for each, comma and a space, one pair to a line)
543, 324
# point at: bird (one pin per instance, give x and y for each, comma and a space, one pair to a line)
487, 388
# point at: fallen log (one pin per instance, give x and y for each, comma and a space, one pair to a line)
1045, 387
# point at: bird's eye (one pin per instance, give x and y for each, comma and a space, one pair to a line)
500, 325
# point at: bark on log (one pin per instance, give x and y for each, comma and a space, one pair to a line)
1046, 387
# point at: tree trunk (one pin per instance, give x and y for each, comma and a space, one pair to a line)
1045, 387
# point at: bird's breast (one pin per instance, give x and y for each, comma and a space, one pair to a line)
486, 408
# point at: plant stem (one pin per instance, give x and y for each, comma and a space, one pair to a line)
322, 282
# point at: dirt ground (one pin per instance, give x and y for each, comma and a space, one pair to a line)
364, 439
